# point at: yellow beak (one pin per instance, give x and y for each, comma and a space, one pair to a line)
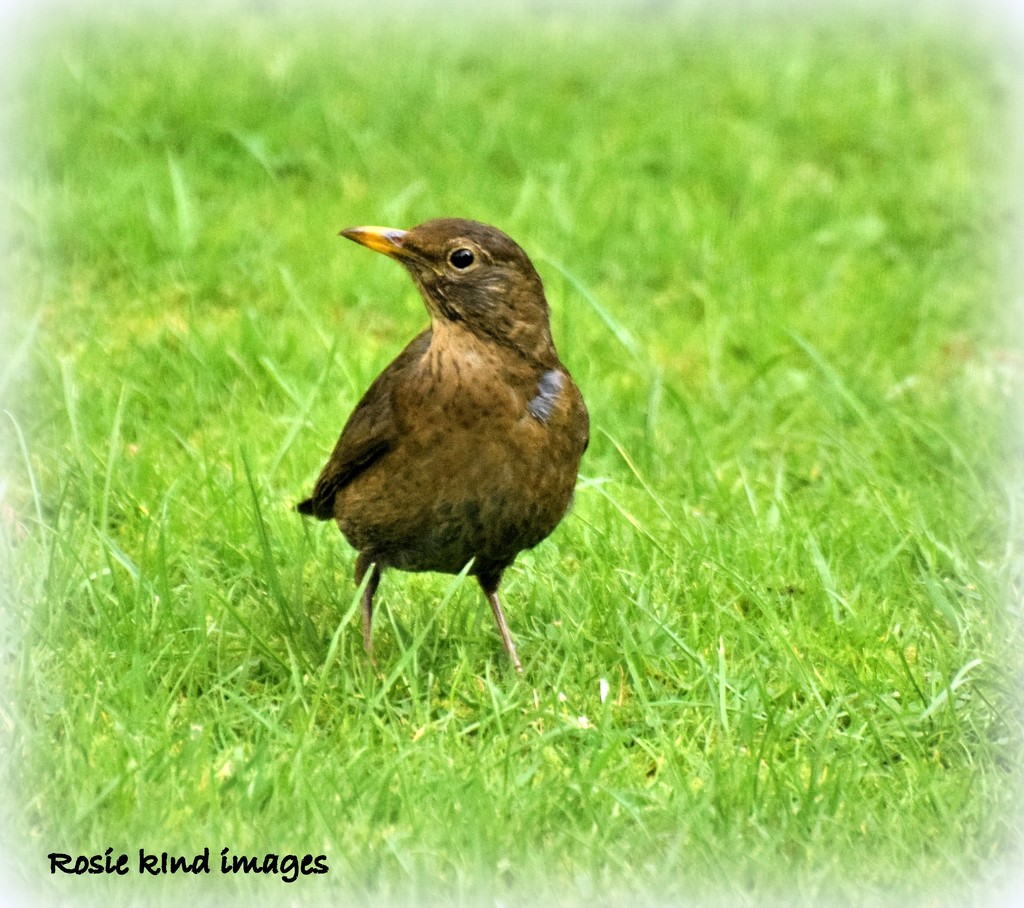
387, 240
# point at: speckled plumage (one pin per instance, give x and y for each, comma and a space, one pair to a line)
468, 445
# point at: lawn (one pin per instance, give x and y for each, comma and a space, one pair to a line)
773, 654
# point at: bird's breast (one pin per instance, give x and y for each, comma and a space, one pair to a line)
466, 388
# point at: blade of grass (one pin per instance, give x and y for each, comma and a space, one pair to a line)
296, 654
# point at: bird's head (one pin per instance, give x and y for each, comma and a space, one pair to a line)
472, 275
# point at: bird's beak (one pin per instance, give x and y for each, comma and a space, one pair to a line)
380, 239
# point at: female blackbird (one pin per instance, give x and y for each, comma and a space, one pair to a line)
465, 448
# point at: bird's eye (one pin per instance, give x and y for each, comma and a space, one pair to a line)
461, 258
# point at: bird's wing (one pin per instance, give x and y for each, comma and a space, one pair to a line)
371, 431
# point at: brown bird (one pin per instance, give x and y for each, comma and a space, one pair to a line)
467, 447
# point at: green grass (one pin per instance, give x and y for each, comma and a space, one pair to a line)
774, 251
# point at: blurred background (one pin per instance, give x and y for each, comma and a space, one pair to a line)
774, 652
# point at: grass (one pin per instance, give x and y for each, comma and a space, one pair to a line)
772, 654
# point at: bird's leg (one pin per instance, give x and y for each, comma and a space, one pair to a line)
506, 637
368, 593
490, 587
362, 563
